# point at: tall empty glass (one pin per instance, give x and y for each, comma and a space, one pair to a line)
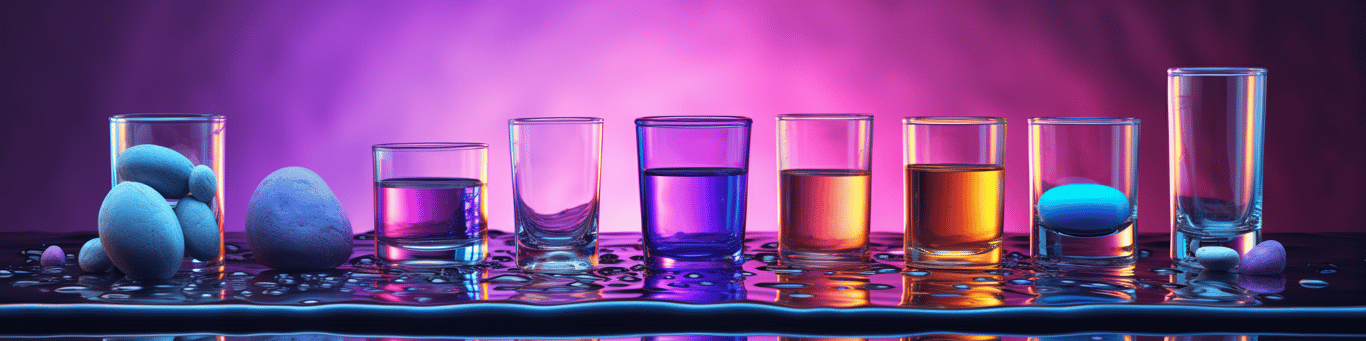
1083, 176
1215, 129
954, 207
429, 203
556, 166
693, 172
823, 172
199, 137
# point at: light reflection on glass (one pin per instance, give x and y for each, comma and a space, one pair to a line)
952, 289
695, 286
1084, 285
558, 289
815, 289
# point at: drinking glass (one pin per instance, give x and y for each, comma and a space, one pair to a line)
1215, 124
824, 173
556, 166
1083, 176
429, 203
954, 208
693, 172
199, 137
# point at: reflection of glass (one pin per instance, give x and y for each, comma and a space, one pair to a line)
543, 289
556, 166
815, 289
199, 137
435, 288
1215, 123
1085, 337
1212, 338
824, 170
952, 289
954, 207
693, 172
1085, 286
693, 338
1083, 175
695, 286
429, 203
951, 337
1216, 288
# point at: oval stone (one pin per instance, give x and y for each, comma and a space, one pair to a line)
294, 222
92, 257
1266, 258
203, 184
159, 167
200, 227
1217, 258
52, 256
140, 233
1084, 210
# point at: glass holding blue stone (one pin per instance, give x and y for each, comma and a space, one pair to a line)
1083, 178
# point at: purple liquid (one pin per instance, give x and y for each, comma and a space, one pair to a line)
693, 214
419, 218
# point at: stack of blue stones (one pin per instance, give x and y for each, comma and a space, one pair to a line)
140, 234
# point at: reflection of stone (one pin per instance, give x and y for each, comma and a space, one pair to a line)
942, 288
695, 286
1209, 288
1085, 286
815, 289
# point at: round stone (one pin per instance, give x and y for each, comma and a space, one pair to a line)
203, 183
159, 167
140, 233
1217, 258
92, 257
52, 256
294, 222
1266, 258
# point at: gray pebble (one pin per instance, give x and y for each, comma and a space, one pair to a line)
203, 184
52, 256
200, 227
140, 233
92, 257
1217, 258
294, 222
159, 167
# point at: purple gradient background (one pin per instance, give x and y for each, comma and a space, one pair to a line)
316, 83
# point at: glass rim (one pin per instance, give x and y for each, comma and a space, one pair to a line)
694, 121
1069, 120
955, 120
429, 146
1216, 71
555, 120
166, 117
811, 116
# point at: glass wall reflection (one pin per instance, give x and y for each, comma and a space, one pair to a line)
695, 286
951, 289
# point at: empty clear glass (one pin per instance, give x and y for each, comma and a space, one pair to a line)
556, 170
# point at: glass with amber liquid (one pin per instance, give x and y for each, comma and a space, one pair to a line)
954, 207
824, 184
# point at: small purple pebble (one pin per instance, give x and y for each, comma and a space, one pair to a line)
1267, 258
53, 256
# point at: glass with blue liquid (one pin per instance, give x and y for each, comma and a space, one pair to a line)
429, 203
693, 172
1083, 175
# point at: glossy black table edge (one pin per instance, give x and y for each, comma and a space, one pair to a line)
634, 317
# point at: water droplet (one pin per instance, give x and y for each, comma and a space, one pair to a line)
946, 295
800, 295
1327, 271
346, 290
766, 257
876, 286
1166, 271
424, 299
275, 292
501, 258
266, 285
126, 288
668, 277
982, 279
509, 279
1273, 297
638, 268
629, 278
706, 284
246, 293
1313, 284
918, 273
240, 274
309, 302
961, 286
437, 280
1097, 286
612, 271
1015, 255
1144, 253
6, 273
693, 275
413, 289
637, 258
70, 290
769, 245
114, 296
1173, 286
747, 273
1021, 282
678, 285
781, 285
364, 236
304, 287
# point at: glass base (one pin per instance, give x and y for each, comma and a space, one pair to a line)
1185, 243
1052, 249
472, 254
988, 256
824, 260
667, 263
553, 261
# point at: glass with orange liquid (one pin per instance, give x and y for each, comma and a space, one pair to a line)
954, 207
824, 173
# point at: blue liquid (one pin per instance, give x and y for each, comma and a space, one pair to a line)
693, 214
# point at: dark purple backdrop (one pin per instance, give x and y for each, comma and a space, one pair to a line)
315, 83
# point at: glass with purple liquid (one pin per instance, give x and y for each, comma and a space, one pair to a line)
693, 173
429, 203
556, 167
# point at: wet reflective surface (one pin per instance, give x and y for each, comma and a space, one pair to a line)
1325, 270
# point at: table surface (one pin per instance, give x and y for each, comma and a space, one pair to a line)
622, 298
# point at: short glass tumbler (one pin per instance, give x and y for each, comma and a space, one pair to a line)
199, 137
429, 203
556, 171
954, 207
1215, 124
1083, 176
823, 179
693, 172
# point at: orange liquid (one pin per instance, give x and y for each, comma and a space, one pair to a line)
953, 209
825, 211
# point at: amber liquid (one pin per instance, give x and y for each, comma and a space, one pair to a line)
824, 219
953, 214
